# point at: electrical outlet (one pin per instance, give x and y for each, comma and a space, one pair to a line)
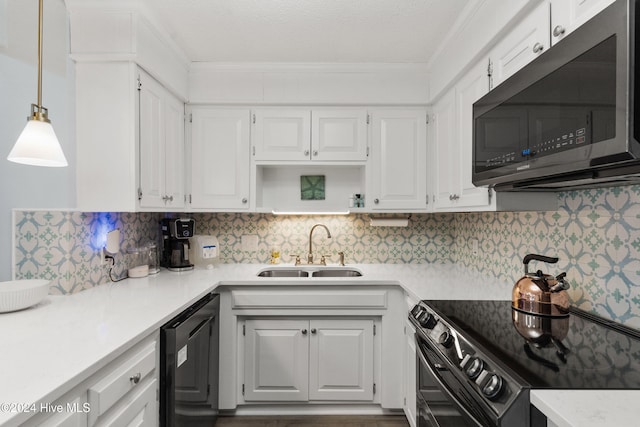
105, 258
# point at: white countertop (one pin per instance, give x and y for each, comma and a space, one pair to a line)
52, 347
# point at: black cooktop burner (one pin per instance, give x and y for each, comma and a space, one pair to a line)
577, 352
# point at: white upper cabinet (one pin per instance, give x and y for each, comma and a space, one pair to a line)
323, 134
161, 130
445, 160
525, 42
339, 134
130, 138
281, 134
131, 142
219, 158
567, 15
397, 169
452, 142
453, 145
470, 88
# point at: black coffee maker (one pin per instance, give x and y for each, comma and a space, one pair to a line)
175, 243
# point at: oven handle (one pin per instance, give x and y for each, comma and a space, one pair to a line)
444, 386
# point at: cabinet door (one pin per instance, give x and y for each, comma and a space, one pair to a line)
397, 176
140, 409
471, 88
446, 151
152, 143
341, 359
161, 133
220, 158
339, 134
281, 134
523, 44
174, 152
567, 15
74, 414
276, 363
410, 373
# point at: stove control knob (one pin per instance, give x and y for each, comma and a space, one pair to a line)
446, 339
416, 311
493, 387
428, 320
474, 367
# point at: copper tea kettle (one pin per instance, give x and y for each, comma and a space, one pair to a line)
541, 294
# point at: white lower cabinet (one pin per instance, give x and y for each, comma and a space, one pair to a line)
69, 411
276, 360
139, 409
124, 393
308, 360
410, 373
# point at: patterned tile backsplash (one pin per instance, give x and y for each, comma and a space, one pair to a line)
595, 233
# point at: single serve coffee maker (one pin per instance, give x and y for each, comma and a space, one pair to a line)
175, 240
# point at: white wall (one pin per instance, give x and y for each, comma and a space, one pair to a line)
24, 186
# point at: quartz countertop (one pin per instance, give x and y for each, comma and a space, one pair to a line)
50, 348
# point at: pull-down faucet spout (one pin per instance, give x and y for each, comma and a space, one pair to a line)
310, 254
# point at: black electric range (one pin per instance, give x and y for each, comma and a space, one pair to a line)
486, 356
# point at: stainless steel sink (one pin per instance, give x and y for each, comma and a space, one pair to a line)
342, 272
310, 271
283, 273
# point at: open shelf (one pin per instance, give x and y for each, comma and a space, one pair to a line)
278, 187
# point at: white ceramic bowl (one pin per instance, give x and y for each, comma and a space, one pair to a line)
19, 294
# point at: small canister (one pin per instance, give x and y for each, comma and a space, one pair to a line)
138, 261
153, 257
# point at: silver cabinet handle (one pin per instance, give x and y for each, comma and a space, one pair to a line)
313, 330
376, 201
135, 379
244, 200
315, 152
167, 198
304, 332
453, 197
538, 48
558, 31
306, 152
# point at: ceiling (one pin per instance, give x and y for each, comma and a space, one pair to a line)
308, 31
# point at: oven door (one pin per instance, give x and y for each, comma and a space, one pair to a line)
442, 399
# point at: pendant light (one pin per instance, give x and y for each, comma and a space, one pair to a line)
38, 145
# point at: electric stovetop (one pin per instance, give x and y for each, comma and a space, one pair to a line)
580, 351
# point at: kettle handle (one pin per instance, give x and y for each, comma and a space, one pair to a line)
532, 257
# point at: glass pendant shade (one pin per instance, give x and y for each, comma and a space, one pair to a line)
38, 145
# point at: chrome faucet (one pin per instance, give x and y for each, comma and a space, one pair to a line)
310, 254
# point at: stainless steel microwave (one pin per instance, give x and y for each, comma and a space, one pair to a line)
567, 119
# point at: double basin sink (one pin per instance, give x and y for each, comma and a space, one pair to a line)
309, 271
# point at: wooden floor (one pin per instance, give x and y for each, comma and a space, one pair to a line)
315, 421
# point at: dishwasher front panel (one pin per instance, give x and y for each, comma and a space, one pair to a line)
189, 366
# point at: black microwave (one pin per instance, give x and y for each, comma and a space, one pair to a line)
567, 119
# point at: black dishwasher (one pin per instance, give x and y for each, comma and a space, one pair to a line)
189, 366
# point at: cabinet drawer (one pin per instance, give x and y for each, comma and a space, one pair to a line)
140, 409
330, 298
120, 380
